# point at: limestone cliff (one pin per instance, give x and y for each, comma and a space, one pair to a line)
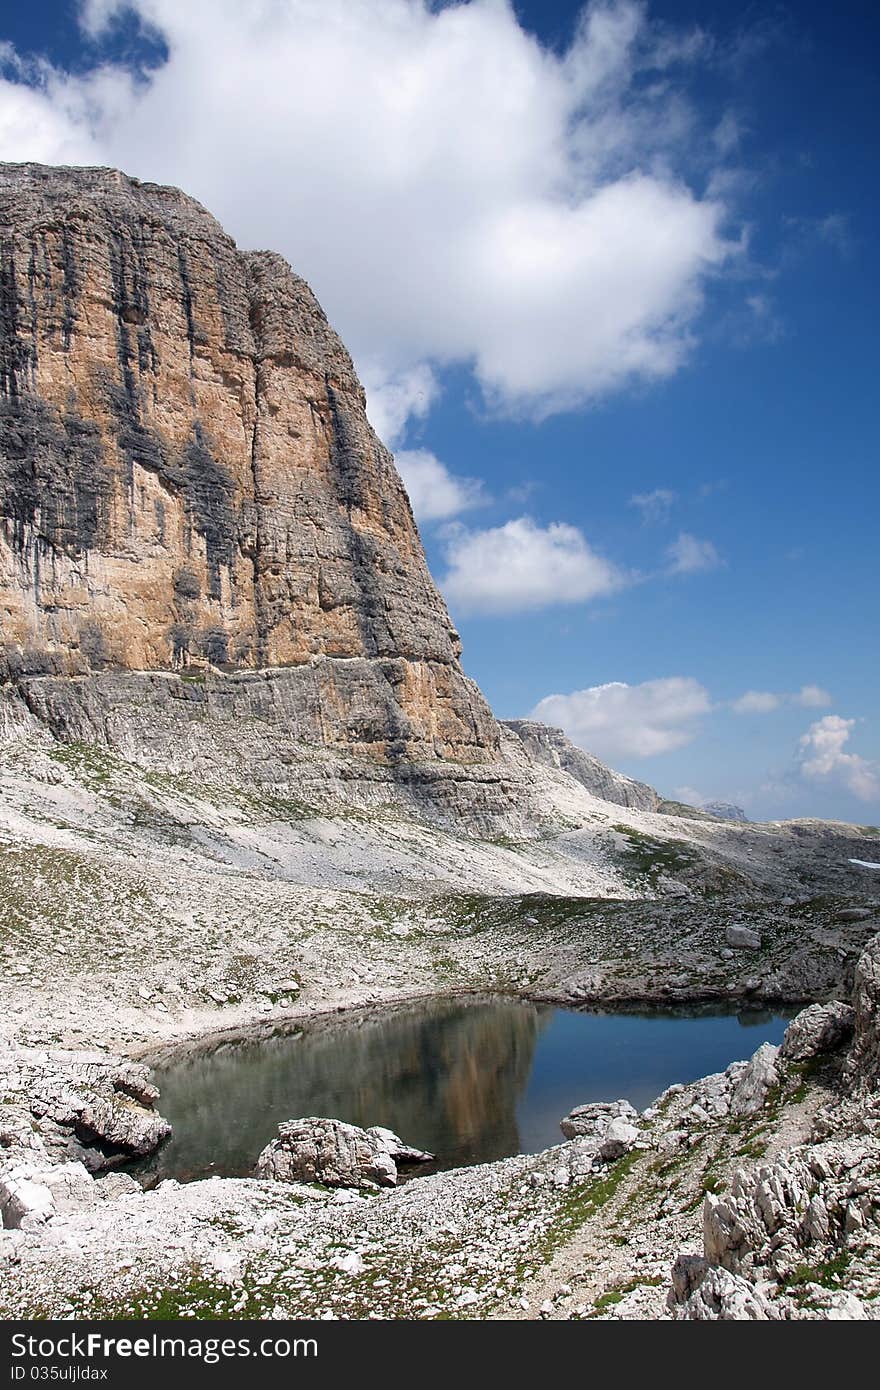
188, 479
550, 747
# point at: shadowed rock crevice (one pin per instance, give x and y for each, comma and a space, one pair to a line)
17, 353
55, 486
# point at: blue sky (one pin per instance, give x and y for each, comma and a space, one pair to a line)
608, 276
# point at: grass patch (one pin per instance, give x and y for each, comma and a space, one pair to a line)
582, 1201
616, 1295
90, 764
651, 857
829, 1273
608, 1299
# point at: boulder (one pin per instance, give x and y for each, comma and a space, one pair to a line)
759, 1075
133, 1079
32, 1194
121, 1124
88, 1105
724, 1297
72, 1187
688, 1273
400, 1152
618, 1139
817, 1029
593, 1121
25, 1203
743, 937
113, 1185
317, 1149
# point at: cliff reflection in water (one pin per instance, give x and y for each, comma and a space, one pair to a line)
446, 1077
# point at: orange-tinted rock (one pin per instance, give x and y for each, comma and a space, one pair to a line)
187, 474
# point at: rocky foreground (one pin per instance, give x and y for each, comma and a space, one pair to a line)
752, 1194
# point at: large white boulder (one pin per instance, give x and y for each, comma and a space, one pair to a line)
817, 1029
317, 1149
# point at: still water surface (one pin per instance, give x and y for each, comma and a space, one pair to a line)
469, 1081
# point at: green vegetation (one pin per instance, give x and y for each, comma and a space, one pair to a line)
619, 1292
90, 764
685, 812
608, 1299
581, 1201
646, 856
40, 883
829, 1273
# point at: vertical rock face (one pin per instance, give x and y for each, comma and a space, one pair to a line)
549, 746
187, 474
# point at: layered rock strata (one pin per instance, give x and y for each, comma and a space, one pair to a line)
188, 480
551, 748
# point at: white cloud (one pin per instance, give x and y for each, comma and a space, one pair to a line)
629, 721
692, 797
689, 795
688, 555
812, 697
766, 701
761, 322
455, 192
36, 125
521, 492
728, 133
823, 758
757, 702
835, 231
520, 567
396, 398
435, 493
97, 15
832, 230
654, 506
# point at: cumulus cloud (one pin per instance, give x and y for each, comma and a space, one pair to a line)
654, 506
456, 192
766, 701
689, 795
812, 697
688, 555
521, 566
757, 702
435, 493
629, 721
823, 758
395, 398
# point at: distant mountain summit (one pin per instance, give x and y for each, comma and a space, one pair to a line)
725, 809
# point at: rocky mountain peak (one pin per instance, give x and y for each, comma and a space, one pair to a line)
188, 481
